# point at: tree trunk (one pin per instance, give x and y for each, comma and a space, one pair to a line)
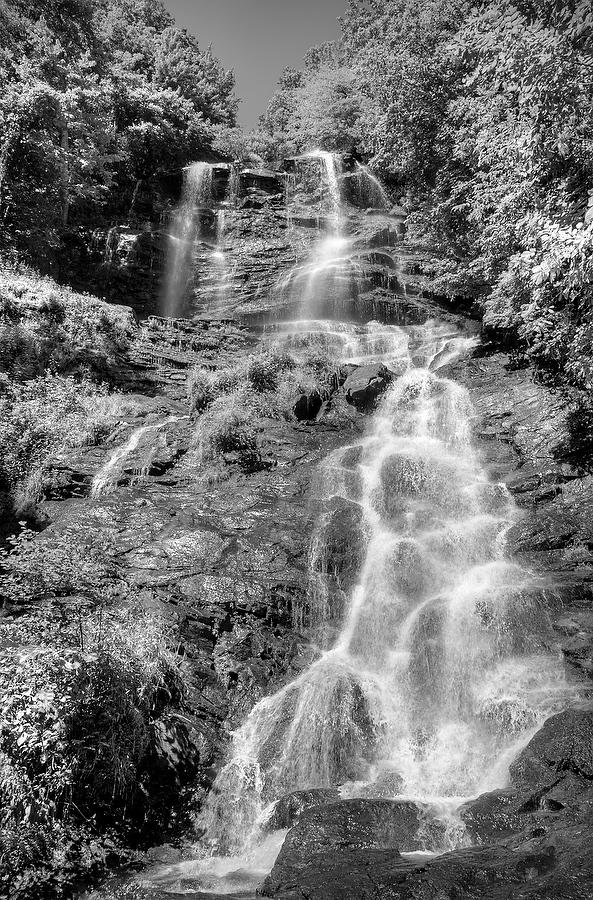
65, 145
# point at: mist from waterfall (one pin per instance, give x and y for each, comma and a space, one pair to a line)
185, 231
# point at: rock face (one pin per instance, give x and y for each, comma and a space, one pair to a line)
342, 830
523, 436
230, 563
288, 809
472, 874
561, 749
366, 384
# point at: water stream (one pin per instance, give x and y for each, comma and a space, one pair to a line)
140, 447
196, 195
433, 669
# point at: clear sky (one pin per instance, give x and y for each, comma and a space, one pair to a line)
258, 38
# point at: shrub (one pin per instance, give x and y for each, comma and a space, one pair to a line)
264, 369
38, 420
46, 326
85, 683
227, 428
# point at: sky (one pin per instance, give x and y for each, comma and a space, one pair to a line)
257, 39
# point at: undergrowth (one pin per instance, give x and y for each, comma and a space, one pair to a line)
87, 673
230, 404
57, 350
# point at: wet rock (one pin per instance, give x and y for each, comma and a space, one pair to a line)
480, 873
341, 545
262, 181
351, 825
492, 816
564, 745
366, 384
364, 875
290, 807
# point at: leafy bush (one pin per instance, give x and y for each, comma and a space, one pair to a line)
86, 675
545, 297
38, 420
227, 427
232, 402
265, 369
45, 326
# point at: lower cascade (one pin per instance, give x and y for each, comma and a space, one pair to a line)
432, 670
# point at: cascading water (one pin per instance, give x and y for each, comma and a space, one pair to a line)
433, 669
196, 195
219, 260
326, 277
139, 446
439, 672
372, 192
331, 183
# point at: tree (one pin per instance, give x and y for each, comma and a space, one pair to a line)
94, 96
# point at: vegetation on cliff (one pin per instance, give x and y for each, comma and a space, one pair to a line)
88, 667
95, 95
480, 119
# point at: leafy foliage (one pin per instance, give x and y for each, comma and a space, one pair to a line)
229, 404
56, 349
95, 96
87, 672
481, 115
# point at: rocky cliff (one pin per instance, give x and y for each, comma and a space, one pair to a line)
228, 557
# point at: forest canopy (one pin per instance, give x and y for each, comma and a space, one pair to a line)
94, 95
479, 117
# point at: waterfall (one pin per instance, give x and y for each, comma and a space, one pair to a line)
196, 194
433, 667
106, 479
372, 192
439, 672
219, 258
330, 182
328, 274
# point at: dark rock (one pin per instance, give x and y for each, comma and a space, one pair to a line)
262, 180
536, 871
288, 809
361, 824
342, 548
366, 384
564, 745
307, 406
338, 875
492, 816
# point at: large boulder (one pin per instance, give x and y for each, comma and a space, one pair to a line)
492, 816
477, 873
289, 808
342, 830
563, 746
366, 384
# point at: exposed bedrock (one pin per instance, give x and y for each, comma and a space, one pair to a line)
242, 565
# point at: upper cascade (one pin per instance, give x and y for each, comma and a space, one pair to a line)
196, 195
